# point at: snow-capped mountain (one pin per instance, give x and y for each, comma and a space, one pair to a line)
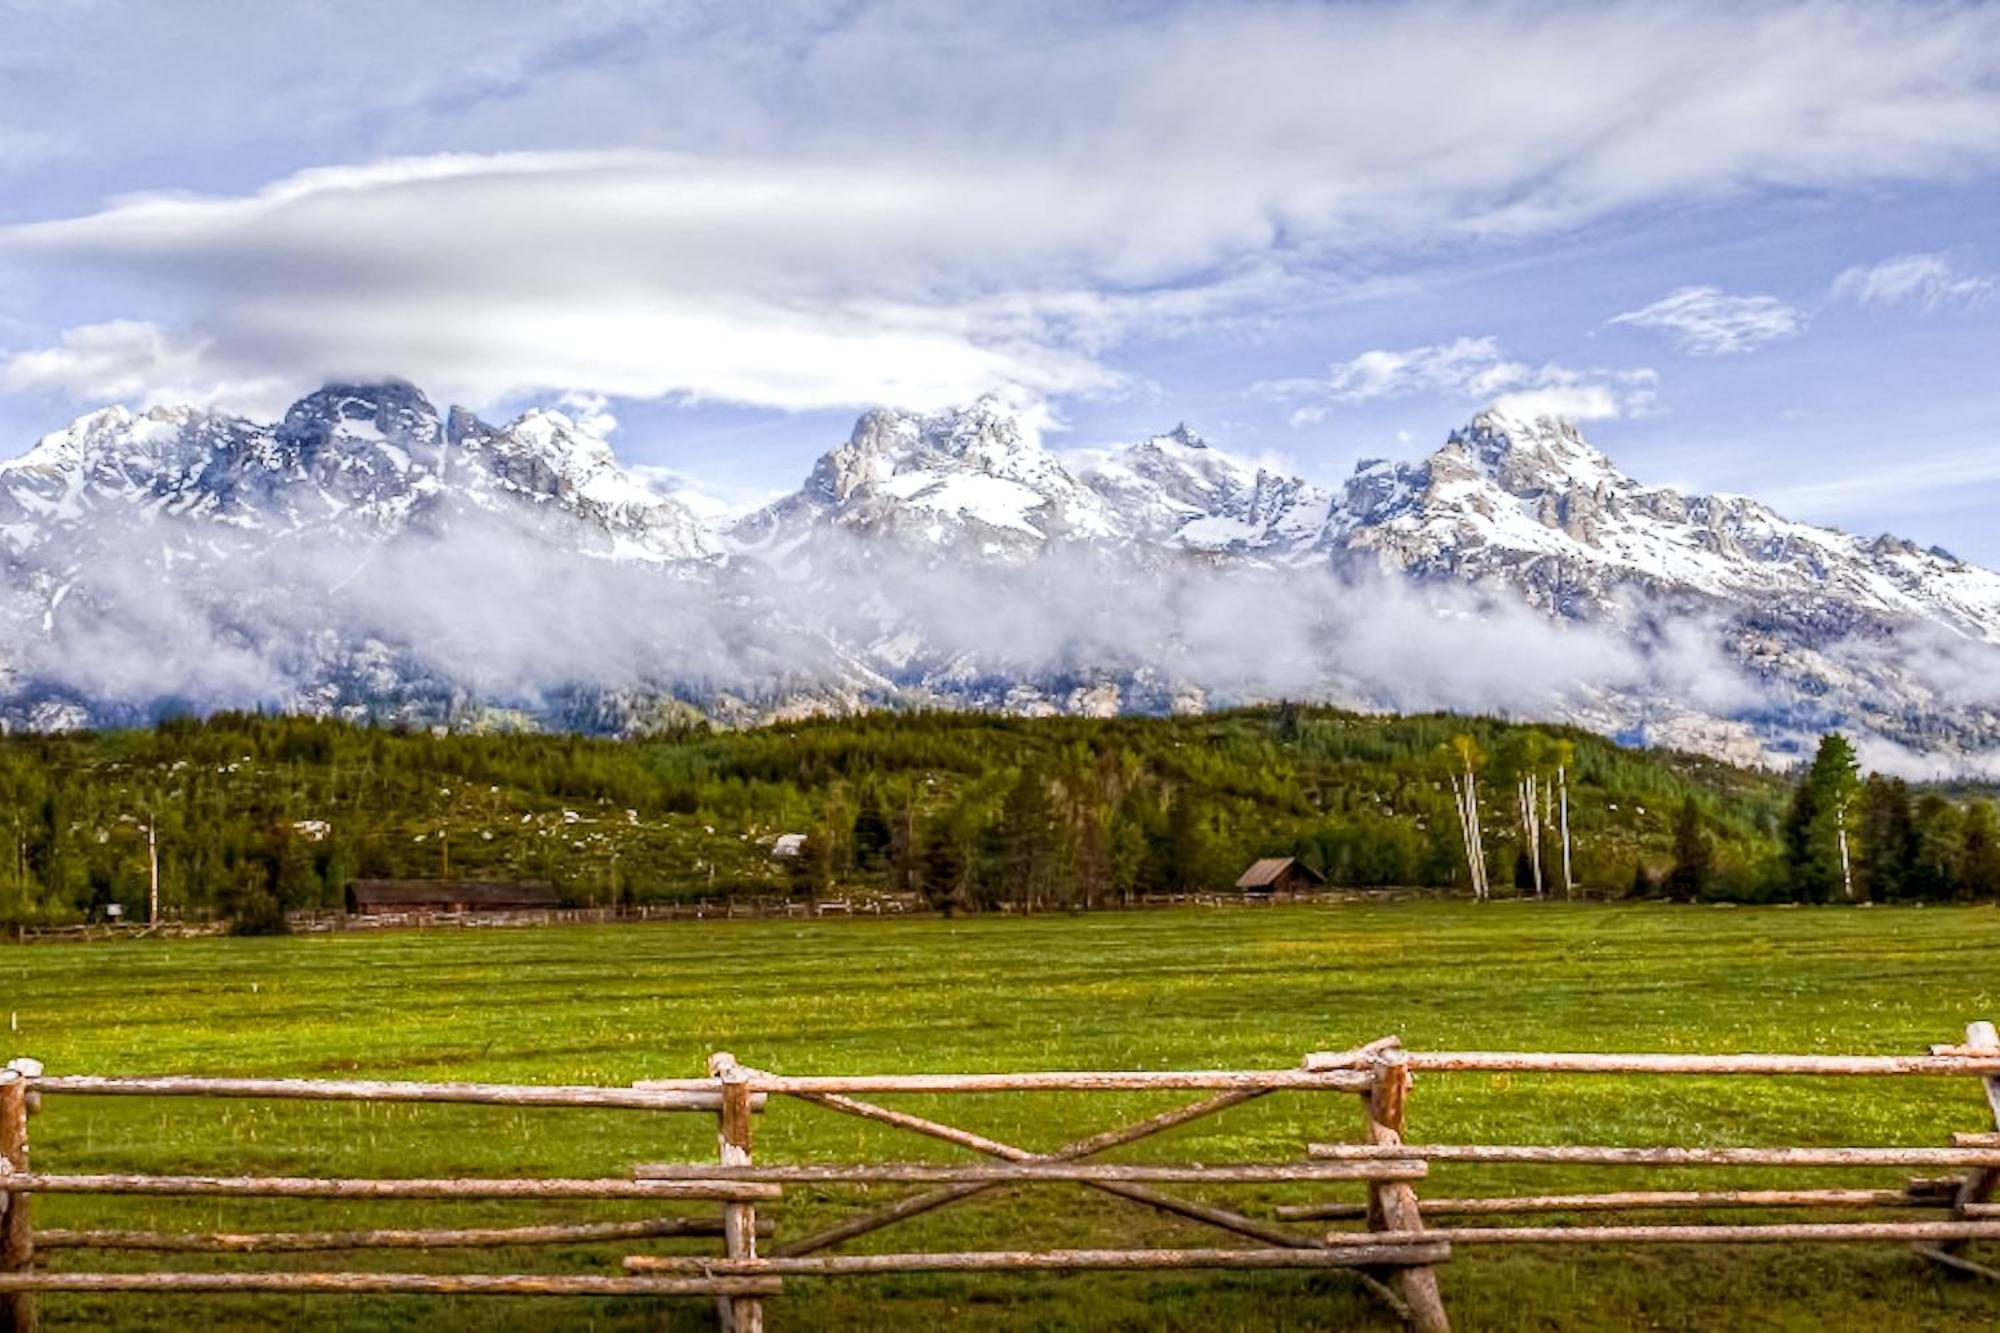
975, 483
1177, 489
368, 555
1531, 503
366, 462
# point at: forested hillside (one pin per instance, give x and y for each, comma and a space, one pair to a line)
256, 813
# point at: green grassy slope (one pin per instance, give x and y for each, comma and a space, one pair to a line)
254, 808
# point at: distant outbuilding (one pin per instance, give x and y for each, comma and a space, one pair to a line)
395, 897
1279, 874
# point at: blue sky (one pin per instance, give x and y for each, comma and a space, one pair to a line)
1754, 245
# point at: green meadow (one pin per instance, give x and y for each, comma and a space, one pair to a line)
1242, 987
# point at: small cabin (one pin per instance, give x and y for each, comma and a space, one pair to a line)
1279, 874
400, 897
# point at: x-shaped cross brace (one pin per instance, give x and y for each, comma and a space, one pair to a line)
917, 1204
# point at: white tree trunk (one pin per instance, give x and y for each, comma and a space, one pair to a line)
1562, 787
1472, 823
1531, 830
1846, 867
1465, 834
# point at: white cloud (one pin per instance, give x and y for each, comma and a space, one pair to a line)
1472, 369
1707, 321
831, 208
1934, 478
1573, 402
130, 360
1926, 280
591, 411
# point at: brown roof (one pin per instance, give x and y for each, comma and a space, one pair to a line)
444, 894
1268, 871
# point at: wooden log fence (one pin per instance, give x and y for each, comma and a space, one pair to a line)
1395, 1253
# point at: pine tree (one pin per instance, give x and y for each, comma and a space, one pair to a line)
871, 833
1189, 856
1936, 870
1694, 856
941, 870
1980, 877
1886, 833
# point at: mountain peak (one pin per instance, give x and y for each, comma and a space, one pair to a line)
1529, 454
559, 436
344, 417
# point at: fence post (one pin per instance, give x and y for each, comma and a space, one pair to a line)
1392, 1205
1977, 1184
17, 1240
738, 1314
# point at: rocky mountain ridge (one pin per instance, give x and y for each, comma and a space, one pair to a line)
371, 556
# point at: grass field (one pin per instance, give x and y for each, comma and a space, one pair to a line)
1217, 988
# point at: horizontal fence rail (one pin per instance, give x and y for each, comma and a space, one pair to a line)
924, 1173
1388, 1245
408, 1284
1641, 1201
1125, 1080
1423, 1249
1601, 1155
296, 1242
1707, 1234
331, 1090
317, 1187
1968, 1064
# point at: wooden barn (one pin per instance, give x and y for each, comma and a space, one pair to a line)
1279, 874
404, 897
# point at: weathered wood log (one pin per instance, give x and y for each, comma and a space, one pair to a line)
1602, 1155
1976, 1186
987, 1261
1131, 1080
314, 1187
290, 1242
435, 1284
17, 1241
926, 1173
1528, 1062
676, 1098
1393, 1205
916, 1124
739, 1220
1715, 1234
1631, 1201
1957, 1262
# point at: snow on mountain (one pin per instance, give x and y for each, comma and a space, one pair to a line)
366, 462
1529, 502
371, 557
974, 481
1177, 489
